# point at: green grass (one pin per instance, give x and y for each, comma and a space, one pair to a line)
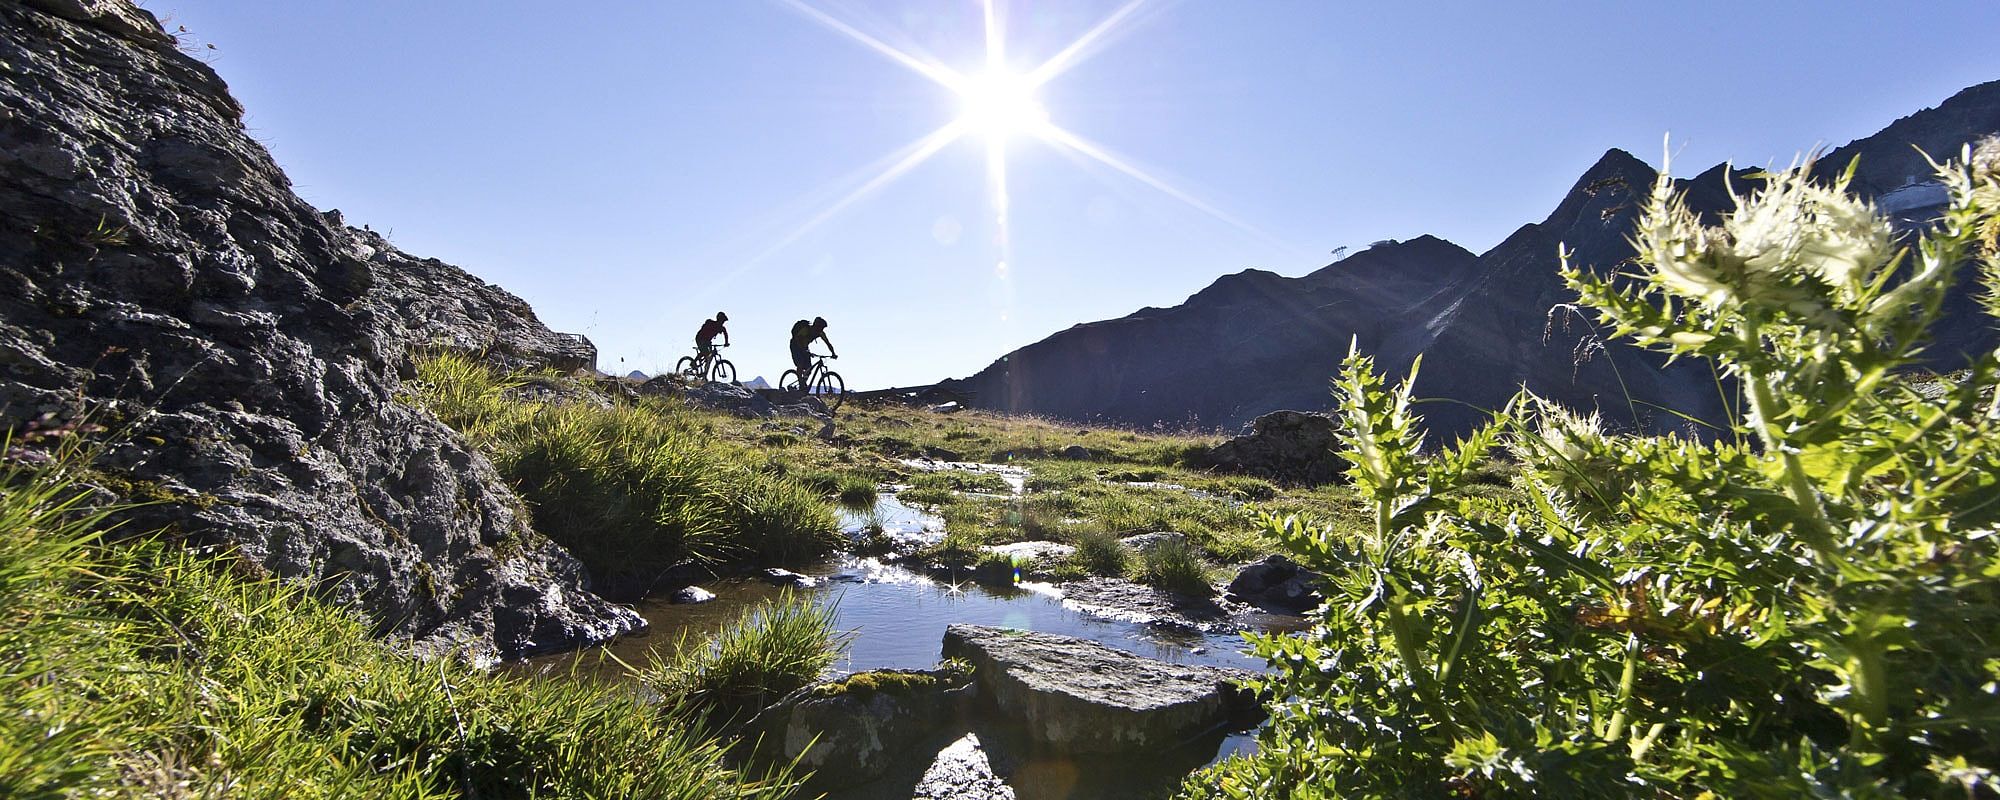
634, 488
144, 670
961, 481
999, 438
957, 549
935, 499
1175, 567
851, 489
769, 651
1100, 553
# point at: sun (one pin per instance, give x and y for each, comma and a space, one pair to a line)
1000, 104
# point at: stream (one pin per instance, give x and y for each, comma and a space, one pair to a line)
895, 618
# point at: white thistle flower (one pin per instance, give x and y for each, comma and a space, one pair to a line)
1568, 435
1793, 227
1789, 230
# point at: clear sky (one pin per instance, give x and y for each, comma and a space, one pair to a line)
632, 167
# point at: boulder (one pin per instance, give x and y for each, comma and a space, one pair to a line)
157, 272
1288, 446
1276, 583
856, 729
1079, 696
1077, 452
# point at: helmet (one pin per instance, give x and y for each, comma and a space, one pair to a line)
819, 322
721, 317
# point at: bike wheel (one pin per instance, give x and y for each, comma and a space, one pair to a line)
685, 366
831, 389
722, 372
789, 382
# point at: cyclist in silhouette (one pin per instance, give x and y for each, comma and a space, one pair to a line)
704, 339
803, 335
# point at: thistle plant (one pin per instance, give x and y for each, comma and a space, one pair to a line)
1804, 606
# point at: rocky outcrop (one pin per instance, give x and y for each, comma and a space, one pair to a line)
856, 729
1487, 325
426, 303
244, 350
1079, 696
1287, 446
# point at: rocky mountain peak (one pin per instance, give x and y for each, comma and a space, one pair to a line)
1486, 324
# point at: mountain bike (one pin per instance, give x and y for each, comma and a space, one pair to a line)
819, 381
707, 366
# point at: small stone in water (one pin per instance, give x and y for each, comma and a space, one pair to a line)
785, 577
693, 594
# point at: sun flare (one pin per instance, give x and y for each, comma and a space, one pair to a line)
999, 104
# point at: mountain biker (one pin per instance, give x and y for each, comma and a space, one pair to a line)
704, 339
803, 335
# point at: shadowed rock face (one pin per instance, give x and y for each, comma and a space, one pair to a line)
858, 728
1256, 342
1233, 351
158, 274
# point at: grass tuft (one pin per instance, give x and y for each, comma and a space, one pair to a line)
770, 650
1100, 553
1173, 565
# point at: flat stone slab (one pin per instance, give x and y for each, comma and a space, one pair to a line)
1125, 601
1083, 697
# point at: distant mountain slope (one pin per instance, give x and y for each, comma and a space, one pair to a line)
1255, 341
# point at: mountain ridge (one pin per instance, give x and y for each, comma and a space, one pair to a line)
1488, 324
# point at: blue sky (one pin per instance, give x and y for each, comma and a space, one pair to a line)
633, 169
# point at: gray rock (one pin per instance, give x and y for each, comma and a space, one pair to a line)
1123, 600
785, 577
1079, 696
1276, 583
1289, 446
855, 729
156, 270
1078, 452
962, 771
1145, 543
690, 595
